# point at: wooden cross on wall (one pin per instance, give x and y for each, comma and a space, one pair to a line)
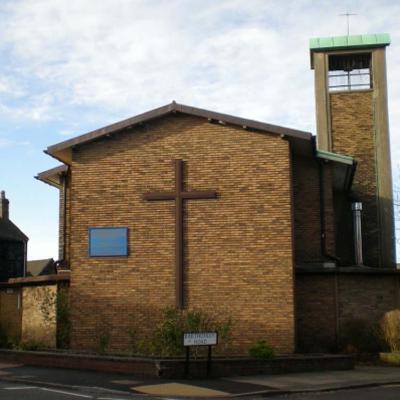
179, 195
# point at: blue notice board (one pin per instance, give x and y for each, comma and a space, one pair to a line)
108, 242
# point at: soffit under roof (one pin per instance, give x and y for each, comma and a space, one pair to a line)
299, 140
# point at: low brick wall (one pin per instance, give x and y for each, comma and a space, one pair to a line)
329, 299
244, 366
28, 308
39, 315
175, 368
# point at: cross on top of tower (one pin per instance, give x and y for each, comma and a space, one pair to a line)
347, 15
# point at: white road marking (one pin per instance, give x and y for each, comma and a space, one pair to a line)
111, 398
69, 393
20, 387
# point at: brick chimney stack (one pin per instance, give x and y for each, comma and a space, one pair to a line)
4, 206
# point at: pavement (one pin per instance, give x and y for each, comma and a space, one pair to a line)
91, 384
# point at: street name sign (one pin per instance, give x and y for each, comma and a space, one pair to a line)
200, 339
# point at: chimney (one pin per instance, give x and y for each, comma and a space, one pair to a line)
357, 208
4, 213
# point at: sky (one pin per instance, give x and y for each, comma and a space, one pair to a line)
70, 66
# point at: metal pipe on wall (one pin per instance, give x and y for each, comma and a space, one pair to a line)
358, 253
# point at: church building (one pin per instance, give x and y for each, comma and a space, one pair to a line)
289, 234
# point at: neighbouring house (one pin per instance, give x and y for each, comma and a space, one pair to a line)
41, 267
28, 289
13, 244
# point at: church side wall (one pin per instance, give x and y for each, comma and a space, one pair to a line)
328, 304
307, 210
11, 313
238, 247
353, 134
315, 313
61, 221
329, 211
64, 219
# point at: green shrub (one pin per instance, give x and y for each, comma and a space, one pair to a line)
31, 344
4, 340
7, 341
103, 343
169, 333
390, 330
167, 339
262, 351
390, 358
63, 319
102, 335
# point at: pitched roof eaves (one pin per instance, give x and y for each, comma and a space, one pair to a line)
175, 107
45, 176
113, 128
9, 231
52, 171
244, 122
336, 157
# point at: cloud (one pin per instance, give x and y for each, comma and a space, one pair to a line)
248, 58
128, 56
5, 143
90, 63
112, 59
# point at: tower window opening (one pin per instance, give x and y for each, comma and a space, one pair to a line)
349, 72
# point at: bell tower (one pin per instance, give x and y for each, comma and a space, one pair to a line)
352, 119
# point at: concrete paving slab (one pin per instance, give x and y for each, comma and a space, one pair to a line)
323, 380
178, 389
8, 365
202, 388
126, 382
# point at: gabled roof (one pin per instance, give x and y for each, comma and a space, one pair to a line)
62, 151
343, 169
53, 176
40, 267
9, 231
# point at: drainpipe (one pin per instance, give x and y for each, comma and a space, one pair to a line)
64, 188
324, 250
325, 253
25, 258
358, 254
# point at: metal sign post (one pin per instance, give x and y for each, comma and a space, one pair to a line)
199, 339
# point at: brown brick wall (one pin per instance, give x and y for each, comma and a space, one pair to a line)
39, 315
353, 135
64, 219
315, 313
329, 211
307, 210
238, 247
368, 297
359, 297
344, 231
61, 222
11, 312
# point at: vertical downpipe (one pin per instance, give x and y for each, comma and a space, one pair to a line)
64, 211
322, 208
358, 254
325, 253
